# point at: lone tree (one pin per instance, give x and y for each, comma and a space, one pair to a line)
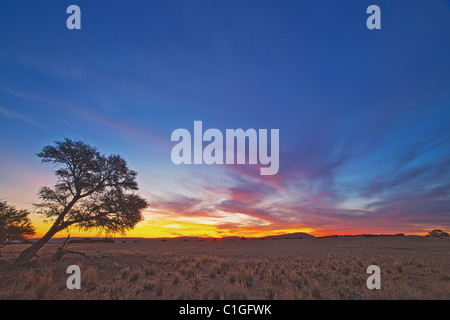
92, 191
14, 224
437, 233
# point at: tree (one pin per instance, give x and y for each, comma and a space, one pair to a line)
92, 191
14, 224
437, 233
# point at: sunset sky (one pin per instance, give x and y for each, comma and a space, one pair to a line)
364, 115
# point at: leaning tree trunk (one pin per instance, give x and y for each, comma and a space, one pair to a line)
27, 254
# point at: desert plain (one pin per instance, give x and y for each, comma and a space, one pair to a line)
412, 267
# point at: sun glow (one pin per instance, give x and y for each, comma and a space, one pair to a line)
163, 227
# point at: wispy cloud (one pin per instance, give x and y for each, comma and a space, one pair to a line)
70, 109
14, 115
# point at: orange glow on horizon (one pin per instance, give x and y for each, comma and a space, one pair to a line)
172, 228
178, 225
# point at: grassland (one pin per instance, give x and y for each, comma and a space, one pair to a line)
329, 268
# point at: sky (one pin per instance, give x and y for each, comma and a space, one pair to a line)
363, 115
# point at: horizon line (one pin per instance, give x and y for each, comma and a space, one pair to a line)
238, 237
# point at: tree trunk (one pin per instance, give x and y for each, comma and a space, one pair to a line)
27, 254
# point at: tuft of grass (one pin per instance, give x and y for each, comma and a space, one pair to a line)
125, 272
420, 263
159, 286
232, 278
347, 293
399, 291
315, 293
150, 270
149, 286
273, 277
290, 293
270, 291
398, 265
296, 280
196, 281
205, 295
235, 291
119, 290
135, 275
89, 280
186, 293
214, 293
44, 283
245, 276
26, 279
346, 270
175, 280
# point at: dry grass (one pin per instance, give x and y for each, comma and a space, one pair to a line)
291, 270
89, 281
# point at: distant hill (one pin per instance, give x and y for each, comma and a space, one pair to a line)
296, 235
364, 235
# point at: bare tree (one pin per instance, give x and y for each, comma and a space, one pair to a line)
92, 191
14, 224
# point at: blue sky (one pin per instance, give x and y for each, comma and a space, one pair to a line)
363, 114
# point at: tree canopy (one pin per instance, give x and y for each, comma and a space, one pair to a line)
437, 233
14, 224
90, 192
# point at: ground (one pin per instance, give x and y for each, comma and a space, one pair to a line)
411, 267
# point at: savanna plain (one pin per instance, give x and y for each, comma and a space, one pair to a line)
412, 267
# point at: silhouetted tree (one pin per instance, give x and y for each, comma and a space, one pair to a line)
14, 224
91, 192
438, 234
